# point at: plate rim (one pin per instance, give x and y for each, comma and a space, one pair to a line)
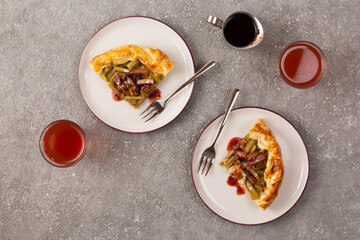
81, 57
192, 162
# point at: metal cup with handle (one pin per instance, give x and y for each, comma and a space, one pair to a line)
240, 29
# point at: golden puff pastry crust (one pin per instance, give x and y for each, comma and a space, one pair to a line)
274, 171
153, 59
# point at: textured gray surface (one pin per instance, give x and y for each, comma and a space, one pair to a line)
115, 192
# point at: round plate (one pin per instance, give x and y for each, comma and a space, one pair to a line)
222, 198
144, 32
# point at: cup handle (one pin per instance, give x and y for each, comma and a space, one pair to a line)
217, 22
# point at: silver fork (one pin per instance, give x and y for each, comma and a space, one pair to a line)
208, 156
158, 106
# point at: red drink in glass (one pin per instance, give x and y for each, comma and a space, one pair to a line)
302, 64
63, 143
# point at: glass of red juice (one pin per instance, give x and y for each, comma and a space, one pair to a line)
302, 64
63, 143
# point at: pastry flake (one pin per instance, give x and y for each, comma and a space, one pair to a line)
132, 72
255, 165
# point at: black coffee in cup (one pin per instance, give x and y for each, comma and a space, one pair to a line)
239, 30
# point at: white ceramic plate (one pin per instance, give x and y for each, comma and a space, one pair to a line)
222, 198
144, 32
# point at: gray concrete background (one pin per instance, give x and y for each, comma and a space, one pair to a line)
115, 192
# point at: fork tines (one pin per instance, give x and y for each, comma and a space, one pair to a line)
149, 111
208, 162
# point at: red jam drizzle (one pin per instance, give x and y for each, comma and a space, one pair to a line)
155, 95
233, 182
115, 97
232, 143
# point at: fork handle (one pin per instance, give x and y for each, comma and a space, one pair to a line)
228, 110
196, 75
